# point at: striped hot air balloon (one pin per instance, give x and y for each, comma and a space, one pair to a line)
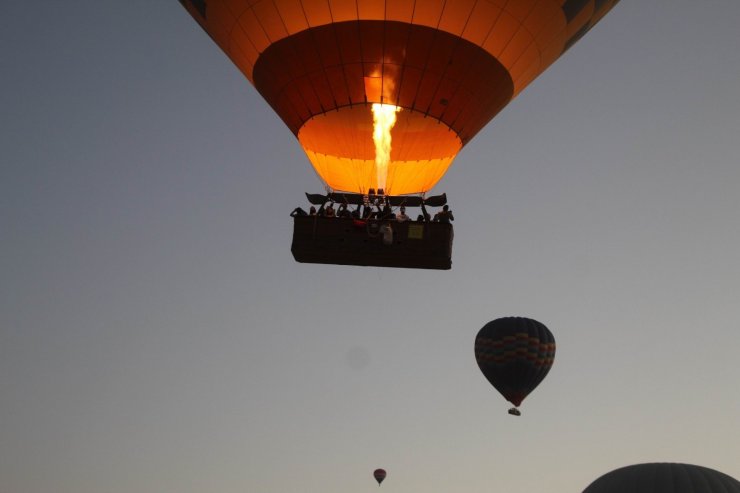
514, 354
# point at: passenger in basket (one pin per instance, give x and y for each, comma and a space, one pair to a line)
401, 216
387, 214
386, 232
444, 216
342, 211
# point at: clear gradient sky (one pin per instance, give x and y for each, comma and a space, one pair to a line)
157, 336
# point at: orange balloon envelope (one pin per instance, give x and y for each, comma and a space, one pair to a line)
447, 66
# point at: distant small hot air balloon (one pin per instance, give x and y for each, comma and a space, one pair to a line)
514, 354
379, 475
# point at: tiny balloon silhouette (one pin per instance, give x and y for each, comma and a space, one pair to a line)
514, 354
379, 475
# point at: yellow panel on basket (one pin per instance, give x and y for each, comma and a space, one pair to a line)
416, 232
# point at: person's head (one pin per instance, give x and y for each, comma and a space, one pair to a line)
312, 210
403, 209
446, 208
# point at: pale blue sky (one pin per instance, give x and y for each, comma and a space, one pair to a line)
157, 336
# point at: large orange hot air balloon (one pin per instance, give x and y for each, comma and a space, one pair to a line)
383, 94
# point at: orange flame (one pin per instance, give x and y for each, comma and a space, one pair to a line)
384, 117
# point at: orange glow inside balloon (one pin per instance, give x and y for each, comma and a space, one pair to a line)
341, 149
